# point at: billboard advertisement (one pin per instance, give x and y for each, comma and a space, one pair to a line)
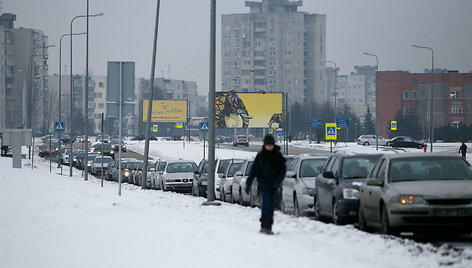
166, 111
248, 110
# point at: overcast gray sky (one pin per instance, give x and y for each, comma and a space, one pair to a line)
383, 27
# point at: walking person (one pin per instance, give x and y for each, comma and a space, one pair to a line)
463, 150
269, 169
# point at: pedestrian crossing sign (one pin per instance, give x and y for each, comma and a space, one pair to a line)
154, 128
59, 126
204, 126
331, 131
393, 125
179, 125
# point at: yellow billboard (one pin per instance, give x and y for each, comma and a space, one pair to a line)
248, 110
166, 111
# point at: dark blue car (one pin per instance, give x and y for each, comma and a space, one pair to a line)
337, 187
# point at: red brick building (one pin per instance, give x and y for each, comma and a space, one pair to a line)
410, 92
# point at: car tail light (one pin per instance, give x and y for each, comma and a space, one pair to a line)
247, 140
237, 140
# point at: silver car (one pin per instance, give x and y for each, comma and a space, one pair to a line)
226, 182
98, 162
417, 193
220, 167
298, 187
238, 188
368, 140
177, 176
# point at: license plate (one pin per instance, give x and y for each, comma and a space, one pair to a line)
459, 212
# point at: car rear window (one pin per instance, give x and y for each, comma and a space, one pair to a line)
429, 168
358, 167
311, 167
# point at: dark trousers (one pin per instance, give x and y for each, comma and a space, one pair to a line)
268, 205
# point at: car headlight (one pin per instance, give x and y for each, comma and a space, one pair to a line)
410, 200
126, 173
204, 183
89, 165
308, 191
350, 193
74, 159
112, 152
113, 146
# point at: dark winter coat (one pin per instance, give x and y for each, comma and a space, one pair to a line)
463, 149
269, 169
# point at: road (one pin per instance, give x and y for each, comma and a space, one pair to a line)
256, 148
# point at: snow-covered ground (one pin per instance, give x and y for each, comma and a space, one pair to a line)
48, 220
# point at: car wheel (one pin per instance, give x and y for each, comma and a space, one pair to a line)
366, 143
252, 202
388, 143
385, 222
316, 207
296, 206
241, 197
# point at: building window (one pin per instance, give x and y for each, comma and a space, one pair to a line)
455, 94
414, 81
406, 95
288, 53
101, 84
406, 109
414, 95
101, 105
456, 109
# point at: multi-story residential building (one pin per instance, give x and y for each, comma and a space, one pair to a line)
99, 102
23, 80
275, 48
369, 72
410, 93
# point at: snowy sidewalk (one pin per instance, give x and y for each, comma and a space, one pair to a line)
48, 220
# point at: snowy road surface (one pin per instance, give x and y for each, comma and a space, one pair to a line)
48, 220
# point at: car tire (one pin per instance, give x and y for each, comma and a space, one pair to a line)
388, 143
296, 206
316, 208
366, 143
384, 221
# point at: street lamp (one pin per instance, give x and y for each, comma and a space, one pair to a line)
60, 90
431, 105
376, 100
71, 85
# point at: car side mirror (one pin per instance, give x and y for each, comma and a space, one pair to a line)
196, 172
220, 176
329, 175
291, 174
373, 182
238, 173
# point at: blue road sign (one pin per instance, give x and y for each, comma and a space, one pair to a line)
342, 123
204, 126
59, 126
279, 133
316, 123
117, 119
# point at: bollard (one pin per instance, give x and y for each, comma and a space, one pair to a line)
424, 148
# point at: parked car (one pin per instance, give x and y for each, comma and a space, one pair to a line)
117, 171
98, 162
337, 187
367, 140
405, 142
417, 193
155, 176
129, 172
109, 171
177, 176
226, 181
238, 187
138, 175
220, 167
90, 159
241, 140
298, 187
200, 179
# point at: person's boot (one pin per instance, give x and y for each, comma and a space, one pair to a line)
266, 227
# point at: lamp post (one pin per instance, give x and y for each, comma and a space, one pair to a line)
431, 93
71, 83
60, 91
376, 100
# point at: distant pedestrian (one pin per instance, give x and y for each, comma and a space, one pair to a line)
269, 169
463, 150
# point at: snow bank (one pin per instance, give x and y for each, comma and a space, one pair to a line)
48, 220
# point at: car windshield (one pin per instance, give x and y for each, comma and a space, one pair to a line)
161, 166
358, 167
233, 169
429, 168
105, 160
223, 165
181, 167
242, 138
311, 167
92, 157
